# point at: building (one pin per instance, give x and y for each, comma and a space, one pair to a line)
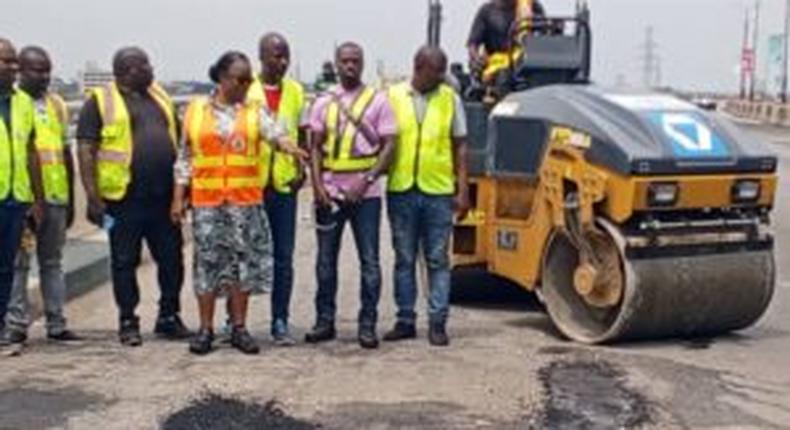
93, 76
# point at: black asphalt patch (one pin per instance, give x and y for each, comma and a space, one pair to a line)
36, 408
215, 412
588, 395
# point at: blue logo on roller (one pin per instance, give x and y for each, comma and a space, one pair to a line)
689, 136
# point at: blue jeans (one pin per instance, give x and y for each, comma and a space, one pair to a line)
12, 221
281, 209
365, 219
421, 220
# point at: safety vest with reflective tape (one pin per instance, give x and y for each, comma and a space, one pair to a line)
225, 169
114, 158
423, 151
14, 175
278, 168
339, 153
50, 144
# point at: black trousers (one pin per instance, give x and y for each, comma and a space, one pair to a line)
134, 222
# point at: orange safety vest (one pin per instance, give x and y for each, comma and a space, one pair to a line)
225, 169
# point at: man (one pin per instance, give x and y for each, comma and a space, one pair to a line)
57, 170
427, 178
490, 42
353, 136
20, 174
127, 136
283, 175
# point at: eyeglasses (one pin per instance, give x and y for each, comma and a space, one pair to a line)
242, 80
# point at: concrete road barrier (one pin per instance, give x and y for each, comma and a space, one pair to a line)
768, 113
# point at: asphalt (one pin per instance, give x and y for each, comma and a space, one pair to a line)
507, 368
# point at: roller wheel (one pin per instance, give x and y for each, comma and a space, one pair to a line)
620, 299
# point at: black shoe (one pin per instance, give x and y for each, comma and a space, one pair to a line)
64, 336
321, 333
367, 338
129, 333
401, 331
201, 344
437, 335
171, 328
243, 341
15, 336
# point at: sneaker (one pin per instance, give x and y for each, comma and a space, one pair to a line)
201, 344
401, 331
281, 336
437, 335
322, 332
64, 336
171, 328
4, 338
129, 332
367, 338
243, 341
15, 336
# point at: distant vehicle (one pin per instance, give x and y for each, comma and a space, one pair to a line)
705, 103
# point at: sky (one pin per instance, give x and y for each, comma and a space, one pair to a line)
698, 40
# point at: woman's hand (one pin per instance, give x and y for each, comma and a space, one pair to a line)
287, 146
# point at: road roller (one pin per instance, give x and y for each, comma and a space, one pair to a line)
631, 214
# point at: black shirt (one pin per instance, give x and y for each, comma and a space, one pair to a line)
153, 154
5, 111
491, 27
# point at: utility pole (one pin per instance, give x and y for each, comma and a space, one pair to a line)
650, 60
785, 63
755, 45
744, 59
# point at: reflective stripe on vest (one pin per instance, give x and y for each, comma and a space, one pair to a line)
114, 157
340, 157
423, 152
224, 169
14, 175
277, 168
50, 145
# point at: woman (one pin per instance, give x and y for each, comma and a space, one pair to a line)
219, 162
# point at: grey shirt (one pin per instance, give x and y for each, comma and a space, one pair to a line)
459, 114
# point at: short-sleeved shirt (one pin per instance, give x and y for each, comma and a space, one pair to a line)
491, 27
378, 118
420, 102
153, 154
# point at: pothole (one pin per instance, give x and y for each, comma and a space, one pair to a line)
215, 412
588, 395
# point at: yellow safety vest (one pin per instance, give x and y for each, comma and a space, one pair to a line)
51, 127
339, 153
114, 158
14, 175
276, 167
423, 151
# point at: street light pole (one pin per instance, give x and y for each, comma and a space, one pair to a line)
755, 47
785, 62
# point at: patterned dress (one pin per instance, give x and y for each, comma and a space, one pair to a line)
233, 244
